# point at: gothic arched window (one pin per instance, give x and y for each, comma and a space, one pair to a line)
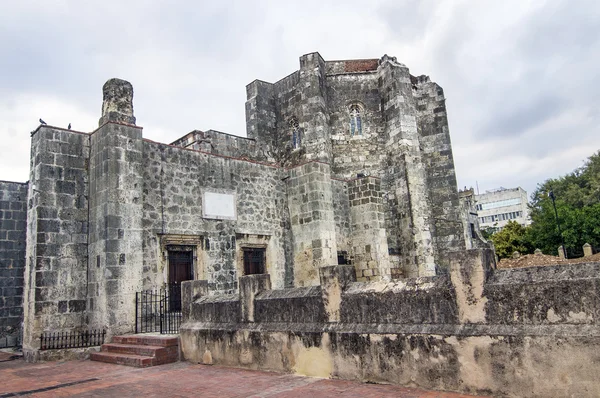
296, 133
355, 120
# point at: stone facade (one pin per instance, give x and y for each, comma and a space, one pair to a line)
400, 136
13, 217
345, 162
57, 233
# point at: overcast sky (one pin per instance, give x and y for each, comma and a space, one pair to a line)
521, 77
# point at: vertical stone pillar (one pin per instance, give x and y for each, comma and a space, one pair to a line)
190, 292
13, 231
561, 252
250, 287
434, 137
408, 179
116, 181
260, 110
334, 280
368, 235
313, 112
587, 250
57, 236
313, 225
117, 102
469, 270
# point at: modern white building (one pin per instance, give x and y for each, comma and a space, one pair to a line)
496, 207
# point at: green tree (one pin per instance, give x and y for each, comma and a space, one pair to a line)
578, 205
513, 237
487, 232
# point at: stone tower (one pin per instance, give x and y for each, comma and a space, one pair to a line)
370, 118
115, 215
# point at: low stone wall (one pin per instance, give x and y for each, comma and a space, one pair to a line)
449, 332
66, 354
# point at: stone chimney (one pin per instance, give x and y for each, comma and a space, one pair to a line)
117, 103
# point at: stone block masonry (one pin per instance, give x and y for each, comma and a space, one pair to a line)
115, 212
439, 166
173, 185
13, 220
115, 226
369, 241
476, 329
370, 118
310, 205
57, 235
346, 163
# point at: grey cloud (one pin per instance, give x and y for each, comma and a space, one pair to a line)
189, 63
408, 19
561, 28
516, 118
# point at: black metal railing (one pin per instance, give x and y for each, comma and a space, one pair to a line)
71, 339
158, 310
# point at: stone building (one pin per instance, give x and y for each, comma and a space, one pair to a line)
331, 242
345, 162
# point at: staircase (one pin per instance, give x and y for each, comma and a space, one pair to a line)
139, 350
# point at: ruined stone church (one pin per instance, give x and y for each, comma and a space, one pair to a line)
345, 181
344, 162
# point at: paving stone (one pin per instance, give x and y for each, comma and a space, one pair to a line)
182, 379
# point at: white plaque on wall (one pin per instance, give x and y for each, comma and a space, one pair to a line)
219, 206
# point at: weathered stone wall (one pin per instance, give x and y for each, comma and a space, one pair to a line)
408, 184
551, 295
368, 236
417, 301
57, 234
270, 109
354, 154
224, 308
219, 143
13, 225
174, 182
115, 248
341, 215
434, 137
301, 95
404, 141
261, 113
310, 205
292, 306
462, 331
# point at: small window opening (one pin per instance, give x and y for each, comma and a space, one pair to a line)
343, 258
296, 133
355, 120
254, 261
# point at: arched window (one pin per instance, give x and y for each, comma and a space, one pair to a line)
355, 120
296, 133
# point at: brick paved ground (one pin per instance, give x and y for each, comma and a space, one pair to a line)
182, 379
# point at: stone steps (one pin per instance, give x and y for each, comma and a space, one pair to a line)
140, 351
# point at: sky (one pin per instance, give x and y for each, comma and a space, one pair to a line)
521, 77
